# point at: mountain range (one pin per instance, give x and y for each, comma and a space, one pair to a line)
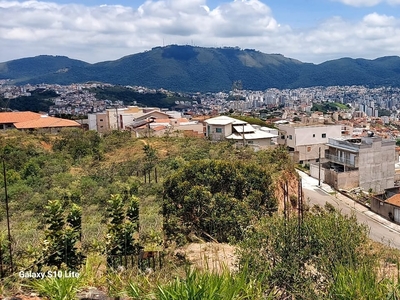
198, 69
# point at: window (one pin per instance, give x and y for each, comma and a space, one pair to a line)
218, 130
324, 135
290, 137
313, 135
101, 120
282, 137
250, 142
308, 149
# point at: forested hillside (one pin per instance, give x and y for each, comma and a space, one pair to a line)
97, 206
184, 68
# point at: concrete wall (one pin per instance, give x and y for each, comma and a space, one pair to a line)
261, 143
92, 122
342, 180
383, 208
377, 166
309, 153
314, 172
112, 118
214, 135
311, 135
192, 127
102, 123
308, 135
98, 122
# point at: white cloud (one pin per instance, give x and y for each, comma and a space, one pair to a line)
109, 32
376, 20
359, 3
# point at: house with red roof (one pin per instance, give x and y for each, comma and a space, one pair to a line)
26, 120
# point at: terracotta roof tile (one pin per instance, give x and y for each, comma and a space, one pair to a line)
31, 120
395, 200
46, 122
162, 120
15, 117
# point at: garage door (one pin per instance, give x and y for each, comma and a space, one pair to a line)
397, 215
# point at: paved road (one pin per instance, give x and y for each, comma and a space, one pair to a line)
381, 230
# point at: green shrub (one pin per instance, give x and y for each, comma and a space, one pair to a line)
62, 288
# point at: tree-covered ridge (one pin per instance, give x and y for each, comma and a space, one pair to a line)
198, 69
130, 97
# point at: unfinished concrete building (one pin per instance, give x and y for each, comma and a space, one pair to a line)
367, 162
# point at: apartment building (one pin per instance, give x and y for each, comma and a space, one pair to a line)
306, 142
366, 162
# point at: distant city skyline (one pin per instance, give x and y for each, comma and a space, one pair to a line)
95, 30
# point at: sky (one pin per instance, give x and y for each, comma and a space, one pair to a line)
99, 30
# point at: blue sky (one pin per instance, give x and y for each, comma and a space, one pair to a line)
95, 30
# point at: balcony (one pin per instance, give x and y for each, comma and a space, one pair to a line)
343, 161
352, 145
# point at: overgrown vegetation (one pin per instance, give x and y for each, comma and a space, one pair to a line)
329, 107
216, 197
84, 196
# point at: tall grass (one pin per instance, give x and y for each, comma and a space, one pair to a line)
358, 283
62, 288
210, 285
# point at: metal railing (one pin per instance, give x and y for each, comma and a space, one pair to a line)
342, 160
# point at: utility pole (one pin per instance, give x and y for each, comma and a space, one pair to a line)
244, 143
7, 215
1, 260
319, 167
116, 113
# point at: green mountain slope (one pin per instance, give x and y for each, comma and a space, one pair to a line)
188, 68
31, 69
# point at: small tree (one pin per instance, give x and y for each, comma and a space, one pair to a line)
150, 159
62, 236
123, 225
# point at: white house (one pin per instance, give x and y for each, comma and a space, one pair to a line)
224, 127
305, 142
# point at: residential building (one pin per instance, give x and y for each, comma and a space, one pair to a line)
306, 143
389, 208
99, 122
241, 132
26, 120
366, 162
